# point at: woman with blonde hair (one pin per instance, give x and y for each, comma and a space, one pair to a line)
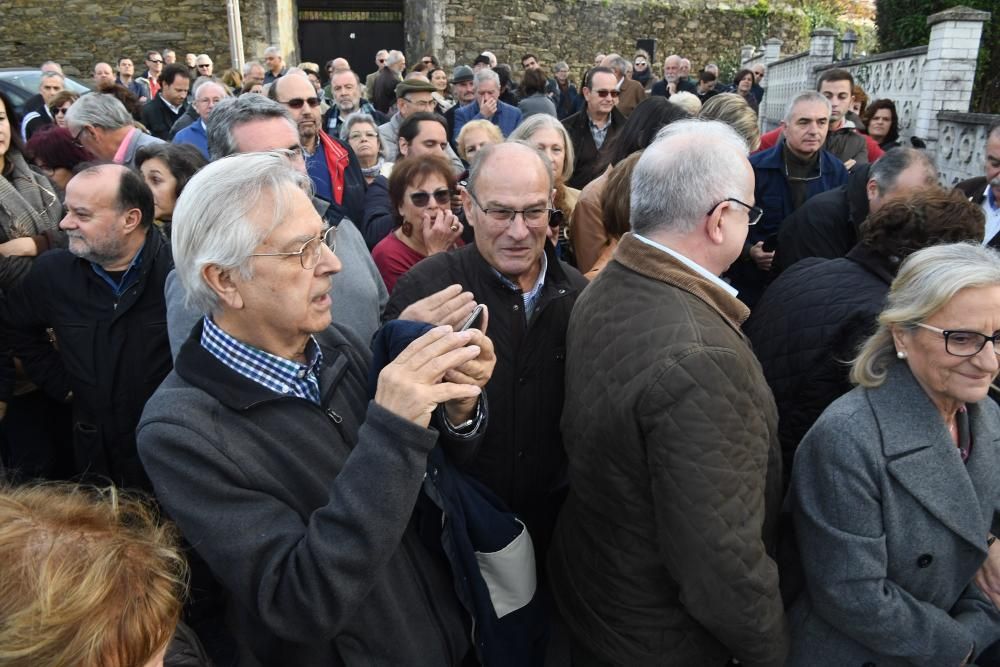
90, 578
733, 110
895, 490
474, 135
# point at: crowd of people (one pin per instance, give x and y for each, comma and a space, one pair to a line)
451, 366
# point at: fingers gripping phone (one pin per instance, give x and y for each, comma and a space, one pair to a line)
475, 319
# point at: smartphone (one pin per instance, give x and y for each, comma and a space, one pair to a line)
475, 319
770, 243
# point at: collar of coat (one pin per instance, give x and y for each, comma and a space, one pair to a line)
658, 265
922, 457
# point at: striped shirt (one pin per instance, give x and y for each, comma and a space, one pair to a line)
280, 375
530, 298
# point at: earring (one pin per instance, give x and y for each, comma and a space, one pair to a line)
901, 355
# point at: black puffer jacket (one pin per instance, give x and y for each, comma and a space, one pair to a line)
806, 329
826, 225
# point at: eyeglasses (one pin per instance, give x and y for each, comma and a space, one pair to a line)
148, 60
205, 65
57, 111
311, 250
755, 211
604, 93
442, 197
355, 136
964, 343
76, 139
298, 102
640, 63
534, 218
420, 104
427, 61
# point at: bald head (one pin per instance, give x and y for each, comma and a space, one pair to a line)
493, 158
104, 76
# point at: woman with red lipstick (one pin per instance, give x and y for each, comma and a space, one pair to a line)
896, 488
420, 189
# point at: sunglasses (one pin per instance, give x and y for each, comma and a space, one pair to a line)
58, 111
154, 61
442, 197
298, 102
604, 93
640, 63
205, 65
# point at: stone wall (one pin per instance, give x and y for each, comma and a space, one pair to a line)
79, 33
575, 30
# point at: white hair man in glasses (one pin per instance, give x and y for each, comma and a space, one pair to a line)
530, 293
681, 510
266, 446
592, 129
332, 165
253, 123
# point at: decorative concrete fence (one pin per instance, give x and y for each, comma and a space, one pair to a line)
930, 85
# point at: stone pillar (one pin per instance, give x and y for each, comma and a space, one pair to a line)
772, 50
950, 68
822, 43
427, 30
746, 53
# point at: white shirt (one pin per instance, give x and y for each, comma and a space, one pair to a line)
694, 266
991, 209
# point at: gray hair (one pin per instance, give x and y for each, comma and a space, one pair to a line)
690, 166
806, 96
272, 51
526, 130
895, 162
250, 64
927, 280
485, 74
213, 221
234, 111
98, 110
560, 66
617, 63
394, 57
354, 119
202, 80
483, 155
51, 75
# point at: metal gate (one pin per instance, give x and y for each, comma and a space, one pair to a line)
349, 29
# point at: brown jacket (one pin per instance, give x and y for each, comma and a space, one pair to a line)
632, 94
661, 552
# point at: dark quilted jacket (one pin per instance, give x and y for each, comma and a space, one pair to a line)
661, 553
806, 329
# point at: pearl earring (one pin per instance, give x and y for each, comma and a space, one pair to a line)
901, 355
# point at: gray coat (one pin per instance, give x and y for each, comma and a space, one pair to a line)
891, 528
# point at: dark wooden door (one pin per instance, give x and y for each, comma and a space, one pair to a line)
349, 29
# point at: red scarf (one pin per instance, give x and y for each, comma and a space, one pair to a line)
337, 159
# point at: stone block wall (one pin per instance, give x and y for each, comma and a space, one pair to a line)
575, 30
79, 33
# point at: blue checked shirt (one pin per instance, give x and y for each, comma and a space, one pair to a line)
281, 376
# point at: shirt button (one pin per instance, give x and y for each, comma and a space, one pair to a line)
517, 307
925, 560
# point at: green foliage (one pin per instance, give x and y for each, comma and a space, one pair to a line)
903, 24
759, 15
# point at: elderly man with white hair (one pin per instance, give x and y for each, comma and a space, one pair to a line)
275, 64
487, 106
663, 550
292, 476
102, 125
207, 93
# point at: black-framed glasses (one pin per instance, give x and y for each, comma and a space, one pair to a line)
605, 93
534, 217
964, 343
150, 60
76, 139
299, 102
442, 197
755, 212
311, 250
57, 111
205, 65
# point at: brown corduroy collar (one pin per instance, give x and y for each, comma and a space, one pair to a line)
658, 265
